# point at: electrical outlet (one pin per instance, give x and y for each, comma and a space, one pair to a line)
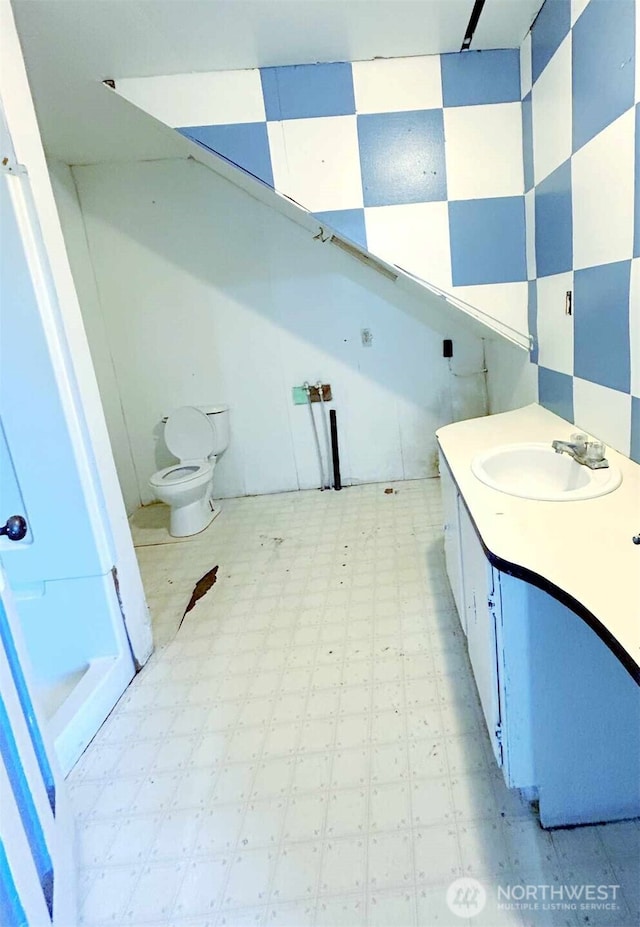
367, 337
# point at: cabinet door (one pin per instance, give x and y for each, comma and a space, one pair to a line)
451, 527
481, 627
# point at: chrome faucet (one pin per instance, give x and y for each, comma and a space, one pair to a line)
588, 453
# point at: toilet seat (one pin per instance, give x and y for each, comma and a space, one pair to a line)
188, 434
184, 472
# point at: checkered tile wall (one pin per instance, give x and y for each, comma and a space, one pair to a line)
505, 177
418, 159
580, 94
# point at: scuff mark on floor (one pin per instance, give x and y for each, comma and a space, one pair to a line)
199, 590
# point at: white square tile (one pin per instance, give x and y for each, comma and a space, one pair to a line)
316, 162
525, 66
262, 824
483, 146
153, 899
602, 178
198, 99
415, 237
634, 325
506, 302
133, 841
110, 892
343, 866
249, 879
474, 796
175, 836
437, 854
431, 802
346, 911
530, 232
393, 85
305, 817
393, 907
552, 113
390, 860
311, 773
201, 889
350, 768
484, 849
347, 813
390, 807
605, 413
555, 327
297, 872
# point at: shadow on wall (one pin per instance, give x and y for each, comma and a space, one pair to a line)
208, 295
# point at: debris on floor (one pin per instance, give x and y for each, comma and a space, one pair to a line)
200, 589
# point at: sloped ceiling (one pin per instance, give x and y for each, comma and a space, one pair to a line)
70, 47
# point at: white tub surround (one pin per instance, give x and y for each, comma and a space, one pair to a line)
582, 548
532, 581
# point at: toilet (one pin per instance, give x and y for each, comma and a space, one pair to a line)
197, 436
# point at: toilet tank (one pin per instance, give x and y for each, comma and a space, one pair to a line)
219, 418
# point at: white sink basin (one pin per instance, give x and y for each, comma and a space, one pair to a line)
535, 471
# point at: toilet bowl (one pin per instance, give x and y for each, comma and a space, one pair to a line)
197, 436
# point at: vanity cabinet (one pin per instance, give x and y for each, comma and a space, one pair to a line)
562, 712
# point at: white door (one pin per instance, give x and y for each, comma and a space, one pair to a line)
37, 880
61, 572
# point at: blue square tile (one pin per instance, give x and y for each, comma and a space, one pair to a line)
487, 240
636, 212
347, 222
402, 157
548, 31
554, 222
473, 77
555, 392
601, 348
245, 144
532, 319
635, 429
603, 67
527, 142
305, 91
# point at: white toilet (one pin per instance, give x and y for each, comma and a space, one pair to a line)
197, 436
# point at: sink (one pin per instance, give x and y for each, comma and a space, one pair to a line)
535, 471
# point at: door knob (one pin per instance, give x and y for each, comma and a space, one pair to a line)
15, 528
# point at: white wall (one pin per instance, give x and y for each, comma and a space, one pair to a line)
64, 190
209, 296
512, 380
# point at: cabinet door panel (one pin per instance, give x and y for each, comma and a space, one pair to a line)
451, 527
481, 627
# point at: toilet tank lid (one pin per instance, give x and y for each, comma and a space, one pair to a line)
213, 410
208, 410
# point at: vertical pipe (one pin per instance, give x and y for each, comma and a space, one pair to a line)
337, 484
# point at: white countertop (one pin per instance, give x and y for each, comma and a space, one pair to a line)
583, 548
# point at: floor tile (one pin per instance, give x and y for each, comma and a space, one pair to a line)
308, 747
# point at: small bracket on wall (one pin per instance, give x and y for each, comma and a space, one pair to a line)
568, 303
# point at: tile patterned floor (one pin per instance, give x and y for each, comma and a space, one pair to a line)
308, 749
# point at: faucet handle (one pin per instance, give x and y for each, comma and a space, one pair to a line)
579, 438
594, 450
